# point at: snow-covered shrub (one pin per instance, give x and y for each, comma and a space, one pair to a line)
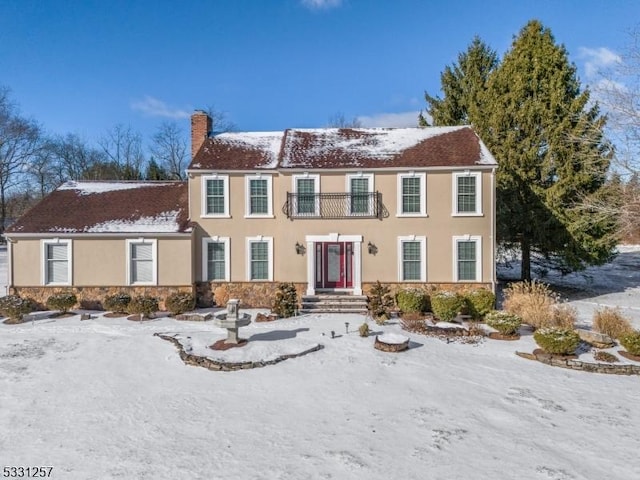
63, 301
364, 330
557, 340
631, 342
533, 301
14, 307
611, 322
480, 302
117, 303
286, 300
379, 301
506, 323
144, 305
412, 300
180, 302
446, 305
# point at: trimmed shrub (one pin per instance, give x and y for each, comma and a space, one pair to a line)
286, 300
446, 305
364, 330
180, 302
144, 305
379, 301
506, 323
62, 301
480, 302
117, 303
14, 307
611, 322
631, 342
564, 316
557, 340
532, 301
412, 300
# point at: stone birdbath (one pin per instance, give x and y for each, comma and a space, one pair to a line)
232, 320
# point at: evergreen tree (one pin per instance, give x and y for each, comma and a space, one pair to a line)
155, 171
463, 85
552, 154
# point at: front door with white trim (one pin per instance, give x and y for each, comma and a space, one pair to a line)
334, 265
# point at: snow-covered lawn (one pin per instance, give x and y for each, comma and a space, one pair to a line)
104, 398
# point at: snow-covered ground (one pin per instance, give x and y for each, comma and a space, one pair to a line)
104, 399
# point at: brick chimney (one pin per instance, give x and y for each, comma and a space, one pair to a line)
200, 129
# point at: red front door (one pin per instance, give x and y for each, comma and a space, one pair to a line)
335, 264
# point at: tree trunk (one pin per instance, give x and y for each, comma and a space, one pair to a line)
525, 248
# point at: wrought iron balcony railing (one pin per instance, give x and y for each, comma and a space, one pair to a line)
334, 205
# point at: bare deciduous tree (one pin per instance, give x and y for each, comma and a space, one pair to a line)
169, 148
123, 148
338, 120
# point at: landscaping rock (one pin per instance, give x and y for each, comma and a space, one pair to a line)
598, 340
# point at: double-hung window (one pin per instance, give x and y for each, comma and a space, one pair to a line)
306, 189
57, 262
360, 188
216, 258
142, 262
467, 194
260, 258
258, 196
467, 258
412, 253
412, 195
215, 196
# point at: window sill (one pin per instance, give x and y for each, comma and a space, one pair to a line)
143, 284
52, 284
467, 215
259, 216
215, 216
412, 215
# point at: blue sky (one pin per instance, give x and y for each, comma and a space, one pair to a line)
85, 66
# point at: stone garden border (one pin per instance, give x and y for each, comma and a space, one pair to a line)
572, 364
215, 365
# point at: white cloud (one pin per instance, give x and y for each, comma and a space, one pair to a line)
321, 4
597, 59
157, 108
402, 119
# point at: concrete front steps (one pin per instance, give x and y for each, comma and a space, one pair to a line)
334, 303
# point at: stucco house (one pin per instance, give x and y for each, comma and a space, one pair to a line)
331, 210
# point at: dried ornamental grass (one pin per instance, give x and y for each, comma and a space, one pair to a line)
563, 316
610, 321
533, 301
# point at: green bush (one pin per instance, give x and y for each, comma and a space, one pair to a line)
180, 302
144, 305
14, 307
286, 301
557, 340
506, 323
480, 302
117, 303
379, 301
364, 330
446, 305
631, 342
412, 300
62, 301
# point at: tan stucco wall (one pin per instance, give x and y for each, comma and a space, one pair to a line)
102, 261
439, 227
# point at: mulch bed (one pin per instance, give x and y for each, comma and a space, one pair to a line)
12, 321
115, 315
628, 356
539, 351
62, 315
138, 318
501, 336
221, 345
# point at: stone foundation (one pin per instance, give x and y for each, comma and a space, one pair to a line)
91, 298
251, 294
583, 366
207, 363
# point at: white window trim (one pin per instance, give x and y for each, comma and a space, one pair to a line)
423, 257
205, 258
57, 241
316, 190
247, 195
468, 238
251, 240
350, 176
478, 177
225, 179
154, 256
423, 194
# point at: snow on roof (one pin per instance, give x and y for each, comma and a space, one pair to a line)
267, 142
88, 188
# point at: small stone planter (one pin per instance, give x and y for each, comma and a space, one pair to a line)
391, 342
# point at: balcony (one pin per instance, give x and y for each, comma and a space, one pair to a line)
334, 205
